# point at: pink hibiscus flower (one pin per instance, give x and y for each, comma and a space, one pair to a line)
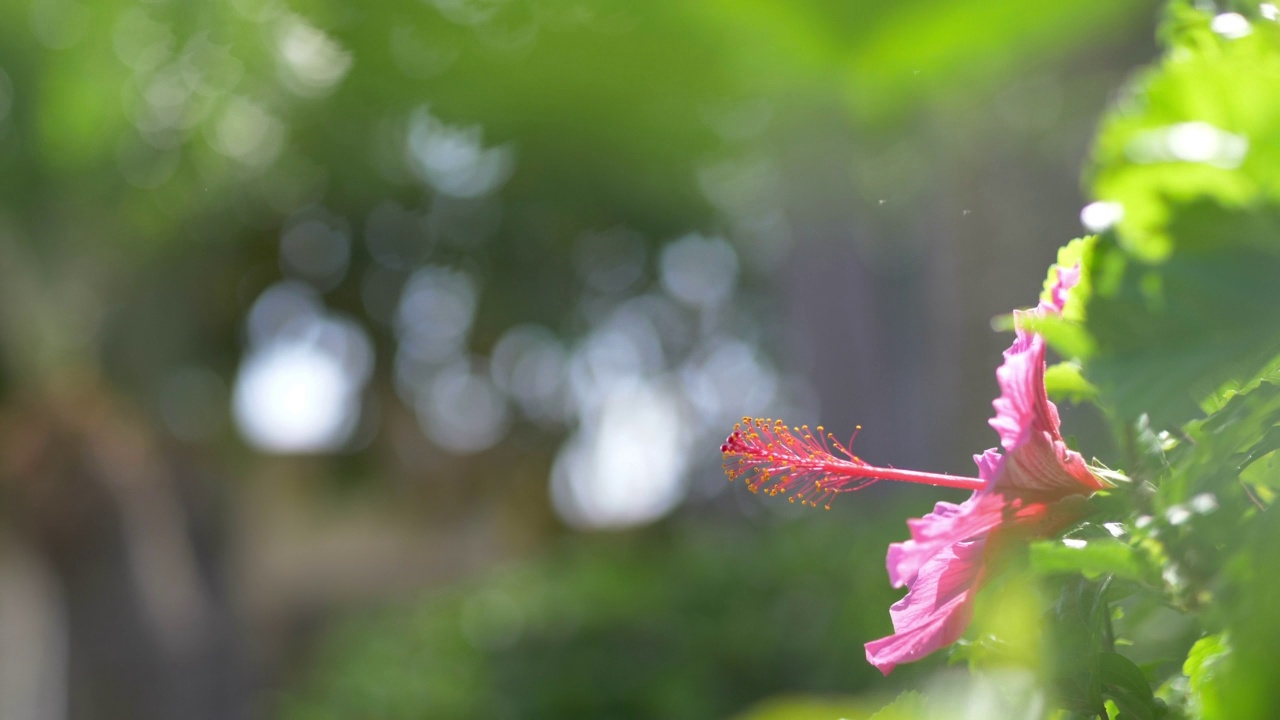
1032, 489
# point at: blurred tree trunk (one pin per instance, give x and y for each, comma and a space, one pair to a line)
126, 532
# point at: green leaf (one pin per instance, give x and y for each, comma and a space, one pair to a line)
910, 705
1068, 338
1228, 390
1124, 683
1204, 667
1078, 625
1224, 444
1168, 336
1064, 381
1093, 559
1202, 124
1183, 291
1241, 682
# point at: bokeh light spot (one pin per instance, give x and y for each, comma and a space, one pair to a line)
461, 410
1100, 215
299, 386
1231, 25
311, 63
435, 313
454, 160
313, 251
698, 270
625, 465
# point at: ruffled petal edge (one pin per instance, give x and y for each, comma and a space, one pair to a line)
935, 611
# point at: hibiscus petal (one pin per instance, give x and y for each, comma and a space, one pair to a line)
947, 525
989, 464
935, 611
942, 564
1046, 465
1027, 421
904, 559
1023, 408
1067, 279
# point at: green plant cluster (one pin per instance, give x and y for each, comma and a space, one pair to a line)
1162, 603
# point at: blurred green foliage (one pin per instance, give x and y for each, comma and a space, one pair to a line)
688, 621
1176, 326
158, 160
1186, 282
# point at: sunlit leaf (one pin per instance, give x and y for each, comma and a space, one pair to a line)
1092, 558
1204, 124
909, 705
1203, 668
1065, 381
